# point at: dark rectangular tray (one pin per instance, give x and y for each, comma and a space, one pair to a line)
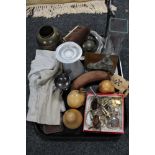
78, 134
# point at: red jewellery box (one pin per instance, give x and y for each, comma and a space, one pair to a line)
107, 117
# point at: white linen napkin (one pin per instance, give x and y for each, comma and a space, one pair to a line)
45, 101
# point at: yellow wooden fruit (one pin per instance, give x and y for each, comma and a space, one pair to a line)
72, 118
75, 99
106, 87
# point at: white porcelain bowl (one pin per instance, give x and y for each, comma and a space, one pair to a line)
68, 52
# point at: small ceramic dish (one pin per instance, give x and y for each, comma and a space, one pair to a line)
68, 52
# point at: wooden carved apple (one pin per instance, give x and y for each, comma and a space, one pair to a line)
106, 87
72, 118
76, 98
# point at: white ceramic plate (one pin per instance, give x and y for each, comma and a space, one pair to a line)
68, 52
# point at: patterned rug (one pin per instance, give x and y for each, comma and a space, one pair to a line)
56, 10
30, 2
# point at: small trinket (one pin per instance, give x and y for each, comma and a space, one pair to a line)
103, 120
113, 122
97, 112
116, 112
94, 104
104, 101
89, 46
62, 81
89, 118
105, 112
116, 102
94, 43
120, 83
96, 122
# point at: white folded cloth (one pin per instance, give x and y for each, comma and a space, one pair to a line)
45, 101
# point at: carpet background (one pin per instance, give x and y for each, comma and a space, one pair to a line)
29, 2
38, 146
